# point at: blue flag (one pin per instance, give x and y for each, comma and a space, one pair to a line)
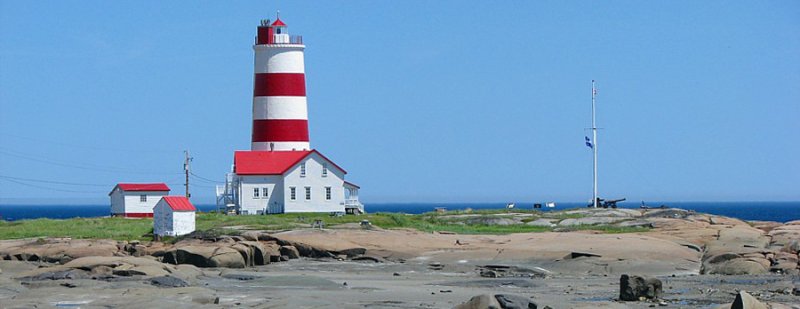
589, 142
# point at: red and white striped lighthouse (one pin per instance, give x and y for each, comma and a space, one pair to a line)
280, 111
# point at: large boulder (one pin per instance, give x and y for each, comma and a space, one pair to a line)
290, 252
483, 301
746, 301
511, 301
272, 251
735, 266
260, 254
206, 256
784, 234
498, 301
633, 288
246, 252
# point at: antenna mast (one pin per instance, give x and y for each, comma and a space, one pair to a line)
594, 149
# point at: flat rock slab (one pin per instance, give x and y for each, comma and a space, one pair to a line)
589, 221
665, 257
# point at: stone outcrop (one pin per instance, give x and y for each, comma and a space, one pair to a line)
588, 221
746, 301
57, 250
106, 268
497, 301
206, 256
635, 288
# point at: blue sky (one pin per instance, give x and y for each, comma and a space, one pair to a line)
420, 101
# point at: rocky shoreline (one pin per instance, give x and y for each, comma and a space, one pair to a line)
702, 261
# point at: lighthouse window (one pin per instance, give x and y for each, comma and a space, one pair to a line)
278, 30
142, 198
328, 193
308, 193
292, 193
324, 169
303, 169
255, 193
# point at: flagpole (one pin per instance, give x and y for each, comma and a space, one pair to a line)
594, 149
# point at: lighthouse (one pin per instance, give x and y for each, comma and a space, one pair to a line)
281, 173
280, 110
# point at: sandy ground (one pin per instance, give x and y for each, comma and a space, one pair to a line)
310, 283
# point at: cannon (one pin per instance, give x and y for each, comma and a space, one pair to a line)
612, 203
607, 203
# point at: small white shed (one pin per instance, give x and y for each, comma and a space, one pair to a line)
136, 200
173, 216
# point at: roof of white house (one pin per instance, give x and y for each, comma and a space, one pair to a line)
271, 162
347, 183
179, 203
160, 186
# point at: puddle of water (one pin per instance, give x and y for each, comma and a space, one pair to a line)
70, 304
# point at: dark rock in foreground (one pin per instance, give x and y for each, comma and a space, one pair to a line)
168, 281
633, 288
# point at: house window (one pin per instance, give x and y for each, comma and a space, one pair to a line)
255, 193
142, 198
292, 193
308, 193
303, 169
328, 193
324, 169
264, 193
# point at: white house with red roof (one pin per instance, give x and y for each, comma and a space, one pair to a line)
173, 216
136, 200
287, 181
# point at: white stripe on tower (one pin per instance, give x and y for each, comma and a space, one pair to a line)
280, 112
280, 107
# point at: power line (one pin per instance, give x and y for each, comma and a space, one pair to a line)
54, 182
84, 147
49, 188
203, 178
25, 156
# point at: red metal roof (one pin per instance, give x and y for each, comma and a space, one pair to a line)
143, 186
279, 22
271, 162
179, 203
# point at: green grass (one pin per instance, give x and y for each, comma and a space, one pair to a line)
140, 229
113, 228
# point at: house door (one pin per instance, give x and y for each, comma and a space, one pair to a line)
275, 208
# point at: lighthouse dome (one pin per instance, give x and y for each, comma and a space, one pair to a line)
279, 23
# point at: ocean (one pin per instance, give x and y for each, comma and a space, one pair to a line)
765, 211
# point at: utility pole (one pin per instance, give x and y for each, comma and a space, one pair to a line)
186, 160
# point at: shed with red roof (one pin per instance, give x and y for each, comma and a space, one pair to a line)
136, 200
173, 216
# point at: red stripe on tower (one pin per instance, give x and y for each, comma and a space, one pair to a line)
280, 84
280, 130
280, 114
